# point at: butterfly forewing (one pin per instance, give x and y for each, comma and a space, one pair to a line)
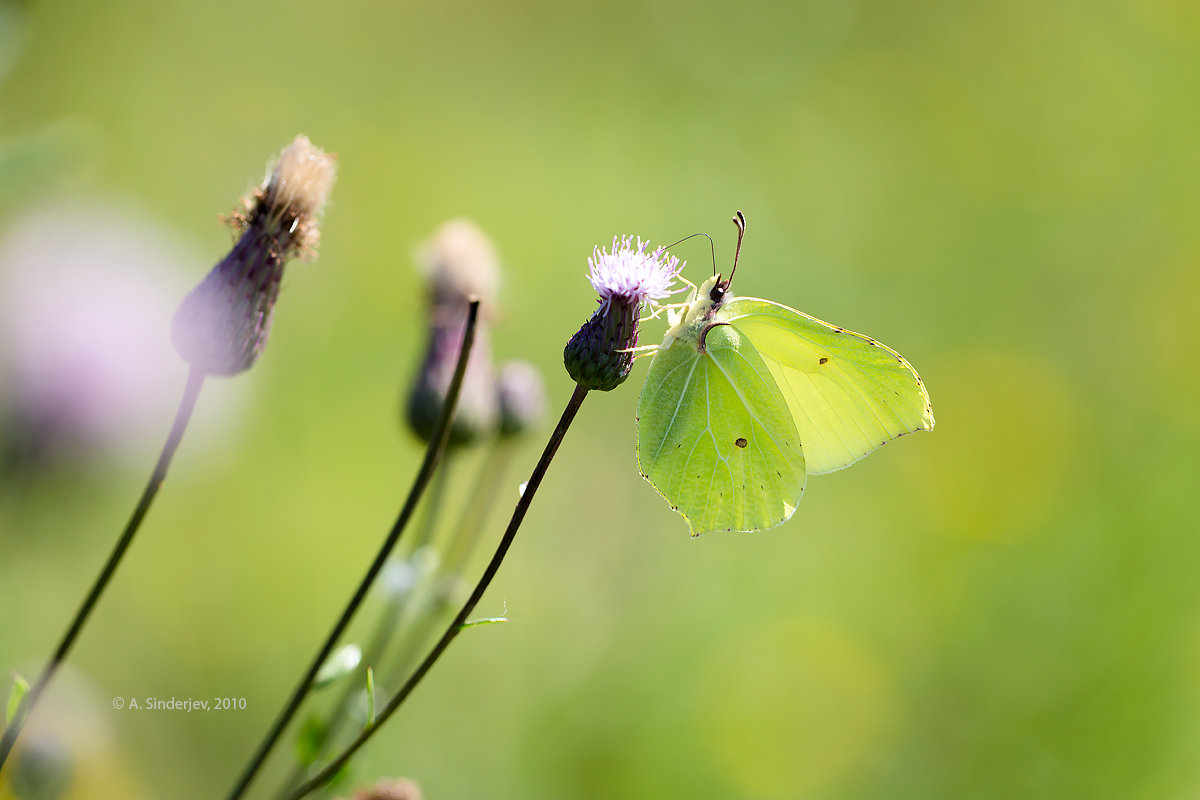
847, 393
716, 437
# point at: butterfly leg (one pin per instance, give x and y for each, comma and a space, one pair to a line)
659, 309
644, 349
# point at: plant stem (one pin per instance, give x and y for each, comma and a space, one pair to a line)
441, 590
433, 454
466, 534
397, 609
535, 480
433, 506
186, 405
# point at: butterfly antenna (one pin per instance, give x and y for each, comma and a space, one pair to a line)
739, 219
711, 247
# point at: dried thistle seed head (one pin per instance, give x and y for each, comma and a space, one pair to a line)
293, 196
627, 278
222, 325
522, 397
460, 262
301, 179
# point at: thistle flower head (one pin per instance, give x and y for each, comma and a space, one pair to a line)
599, 355
629, 275
300, 181
222, 325
460, 263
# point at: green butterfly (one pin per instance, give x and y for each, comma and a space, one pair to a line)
745, 398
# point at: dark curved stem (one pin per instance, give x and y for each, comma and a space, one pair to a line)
389, 621
510, 533
433, 454
186, 405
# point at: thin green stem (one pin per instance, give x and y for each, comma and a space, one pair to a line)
389, 622
186, 405
433, 506
470, 524
441, 590
433, 454
535, 480
354, 684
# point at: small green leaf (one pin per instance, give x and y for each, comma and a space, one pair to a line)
370, 697
338, 665
19, 690
471, 623
310, 740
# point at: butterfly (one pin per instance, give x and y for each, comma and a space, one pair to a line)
745, 398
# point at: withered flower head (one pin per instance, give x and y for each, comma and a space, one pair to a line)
222, 325
459, 263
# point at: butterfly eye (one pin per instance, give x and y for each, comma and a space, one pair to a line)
718, 290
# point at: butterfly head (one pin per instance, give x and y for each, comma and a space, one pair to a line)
720, 287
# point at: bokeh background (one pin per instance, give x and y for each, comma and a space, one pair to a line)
1005, 192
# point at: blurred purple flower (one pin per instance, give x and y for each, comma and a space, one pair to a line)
86, 297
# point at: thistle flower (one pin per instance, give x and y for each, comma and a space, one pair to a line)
599, 355
460, 263
222, 325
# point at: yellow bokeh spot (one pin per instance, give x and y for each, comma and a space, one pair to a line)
1004, 447
791, 707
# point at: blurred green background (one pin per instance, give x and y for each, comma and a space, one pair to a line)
1005, 192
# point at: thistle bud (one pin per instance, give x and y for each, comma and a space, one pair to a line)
222, 325
522, 397
460, 263
599, 355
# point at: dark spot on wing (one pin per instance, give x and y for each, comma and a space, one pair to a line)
740, 442
823, 360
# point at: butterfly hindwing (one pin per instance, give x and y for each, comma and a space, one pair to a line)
847, 393
716, 436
